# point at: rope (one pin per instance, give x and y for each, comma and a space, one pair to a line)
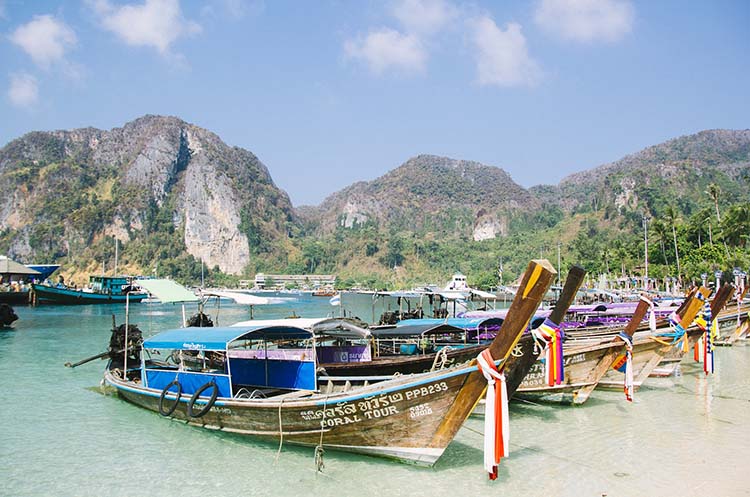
651, 314
663, 342
678, 332
281, 435
319, 451
628, 366
441, 357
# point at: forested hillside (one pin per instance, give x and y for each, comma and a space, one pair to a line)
173, 195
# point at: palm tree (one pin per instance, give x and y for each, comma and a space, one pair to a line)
672, 216
736, 225
714, 191
697, 225
660, 230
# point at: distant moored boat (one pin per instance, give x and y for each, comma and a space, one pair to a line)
101, 290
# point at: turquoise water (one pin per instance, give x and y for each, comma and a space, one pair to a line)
685, 435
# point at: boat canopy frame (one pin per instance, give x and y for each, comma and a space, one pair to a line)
259, 367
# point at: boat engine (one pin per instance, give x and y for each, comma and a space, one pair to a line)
7, 315
200, 320
388, 317
117, 343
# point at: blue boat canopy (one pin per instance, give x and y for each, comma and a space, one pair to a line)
195, 338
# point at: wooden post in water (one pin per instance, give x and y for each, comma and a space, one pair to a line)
125, 345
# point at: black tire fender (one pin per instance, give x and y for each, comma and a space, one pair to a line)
171, 408
202, 412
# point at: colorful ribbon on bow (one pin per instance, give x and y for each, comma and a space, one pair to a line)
651, 313
624, 364
704, 348
496, 423
678, 332
552, 336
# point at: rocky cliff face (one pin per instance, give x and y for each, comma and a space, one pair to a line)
170, 190
221, 199
429, 193
677, 169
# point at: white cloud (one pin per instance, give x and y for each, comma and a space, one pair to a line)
586, 20
154, 23
424, 16
387, 48
23, 90
502, 56
45, 39
233, 9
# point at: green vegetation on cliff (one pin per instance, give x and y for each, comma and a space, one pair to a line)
175, 195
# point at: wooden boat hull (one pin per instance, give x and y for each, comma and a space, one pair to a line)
400, 364
518, 364
401, 419
647, 354
675, 354
411, 418
584, 366
66, 296
732, 329
15, 298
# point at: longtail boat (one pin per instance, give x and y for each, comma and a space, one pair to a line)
522, 358
273, 394
648, 349
691, 333
407, 349
101, 290
733, 322
586, 362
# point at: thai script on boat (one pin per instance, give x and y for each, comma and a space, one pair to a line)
193, 346
379, 406
420, 410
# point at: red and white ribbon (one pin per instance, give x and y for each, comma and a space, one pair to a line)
496, 423
651, 313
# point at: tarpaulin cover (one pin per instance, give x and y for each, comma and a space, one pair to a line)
272, 373
412, 330
190, 382
167, 290
463, 323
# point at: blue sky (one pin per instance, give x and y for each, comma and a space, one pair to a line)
331, 92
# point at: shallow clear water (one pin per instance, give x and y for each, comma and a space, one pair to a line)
684, 435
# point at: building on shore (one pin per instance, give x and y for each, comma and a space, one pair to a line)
267, 281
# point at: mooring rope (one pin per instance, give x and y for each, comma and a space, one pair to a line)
281, 435
441, 357
318, 458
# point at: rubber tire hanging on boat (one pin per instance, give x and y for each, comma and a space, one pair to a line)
208, 405
171, 409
